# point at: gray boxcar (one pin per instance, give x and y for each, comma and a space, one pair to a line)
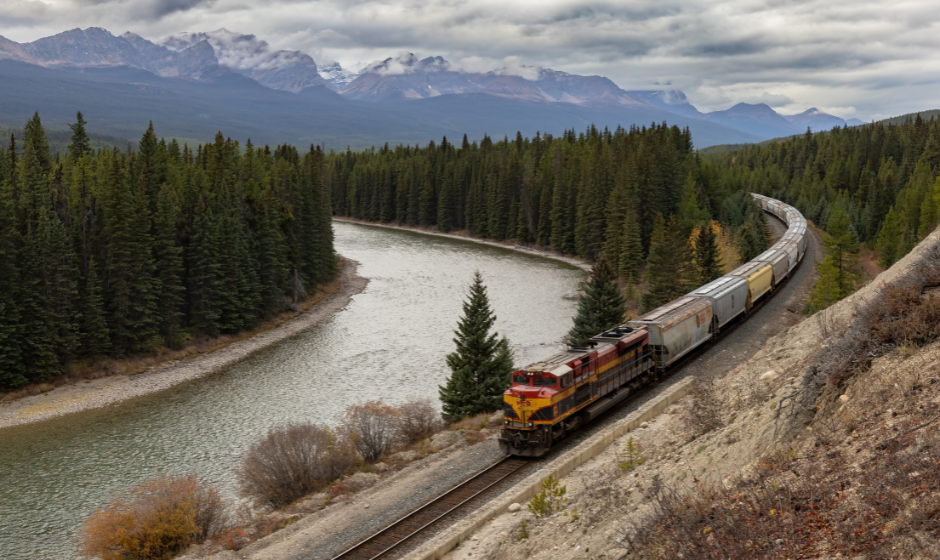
676, 328
728, 296
779, 260
792, 249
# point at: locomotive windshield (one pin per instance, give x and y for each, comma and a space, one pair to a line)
520, 380
545, 381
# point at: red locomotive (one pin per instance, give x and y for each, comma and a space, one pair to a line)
554, 397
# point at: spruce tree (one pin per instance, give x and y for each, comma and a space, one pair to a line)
670, 269
600, 307
631, 249
80, 145
707, 254
481, 365
889, 240
95, 338
842, 249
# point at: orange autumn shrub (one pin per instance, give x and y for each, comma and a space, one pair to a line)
153, 521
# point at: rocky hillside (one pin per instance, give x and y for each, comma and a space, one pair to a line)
824, 445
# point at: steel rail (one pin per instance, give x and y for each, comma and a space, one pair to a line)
384, 541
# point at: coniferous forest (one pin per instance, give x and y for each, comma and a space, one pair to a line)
110, 253
643, 196
593, 194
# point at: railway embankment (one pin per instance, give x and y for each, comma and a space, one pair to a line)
823, 444
104, 391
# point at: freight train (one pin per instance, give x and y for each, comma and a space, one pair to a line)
554, 397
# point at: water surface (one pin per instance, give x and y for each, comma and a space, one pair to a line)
390, 342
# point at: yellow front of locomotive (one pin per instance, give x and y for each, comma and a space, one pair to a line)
531, 411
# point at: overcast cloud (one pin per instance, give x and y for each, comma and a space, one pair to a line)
852, 58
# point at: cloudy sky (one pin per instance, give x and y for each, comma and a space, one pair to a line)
853, 58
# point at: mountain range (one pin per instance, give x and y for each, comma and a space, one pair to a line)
194, 84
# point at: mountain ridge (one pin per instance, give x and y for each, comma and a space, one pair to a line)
239, 68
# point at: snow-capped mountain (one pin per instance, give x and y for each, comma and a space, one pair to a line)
336, 76
252, 57
407, 78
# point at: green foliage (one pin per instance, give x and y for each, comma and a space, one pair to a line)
670, 268
523, 530
600, 307
707, 254
889, 240
838, 272
482, 363
108, 252
550, 500
632, 456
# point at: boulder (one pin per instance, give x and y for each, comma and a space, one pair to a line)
768, 375
381, 467
362, 480
444, 439
513, 508
314, 502
497, 416
405, 456
844, 399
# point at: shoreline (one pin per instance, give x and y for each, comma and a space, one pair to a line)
573, 261
74, 398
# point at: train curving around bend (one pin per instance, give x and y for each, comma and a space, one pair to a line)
554, 397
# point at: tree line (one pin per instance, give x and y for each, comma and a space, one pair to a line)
109, 252
875, 184
594, 194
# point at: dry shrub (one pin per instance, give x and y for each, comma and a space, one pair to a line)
888, 507
419, 419
703, 412
154, 521
477, 422
372, 428
292, 461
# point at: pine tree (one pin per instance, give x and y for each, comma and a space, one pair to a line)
168, 265
826, 291
600, 307
707, 254
80, 145
841, 246
481, 365
889, 240
631, 249
670, 269
95, 338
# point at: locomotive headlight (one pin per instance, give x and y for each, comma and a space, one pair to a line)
531, 424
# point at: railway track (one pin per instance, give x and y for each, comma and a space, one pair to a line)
386, 541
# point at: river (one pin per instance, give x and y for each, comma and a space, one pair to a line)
390, 342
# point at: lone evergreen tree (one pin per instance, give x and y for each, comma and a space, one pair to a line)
481, 365
600, 307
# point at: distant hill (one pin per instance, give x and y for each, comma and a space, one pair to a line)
815, 120
723, 148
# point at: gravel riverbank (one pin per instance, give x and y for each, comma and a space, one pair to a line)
102, 392
582, 264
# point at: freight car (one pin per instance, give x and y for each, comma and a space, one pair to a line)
554, 397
